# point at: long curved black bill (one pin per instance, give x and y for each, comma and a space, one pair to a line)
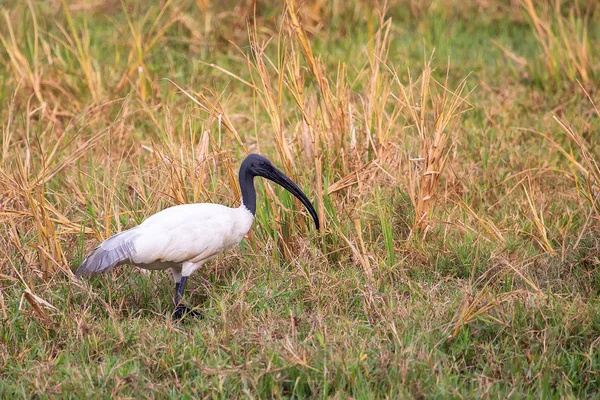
280, 178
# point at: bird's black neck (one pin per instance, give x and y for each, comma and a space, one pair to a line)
248, 191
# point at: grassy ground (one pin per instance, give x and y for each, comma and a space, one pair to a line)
459, 255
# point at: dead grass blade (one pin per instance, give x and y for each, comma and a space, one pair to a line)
486, 223
537, 217
353, 178
479, 299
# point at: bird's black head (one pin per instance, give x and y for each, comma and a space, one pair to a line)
257, 165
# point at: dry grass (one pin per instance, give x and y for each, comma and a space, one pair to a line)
435, 110
563, 38
458, 253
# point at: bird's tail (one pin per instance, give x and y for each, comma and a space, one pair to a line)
116, 250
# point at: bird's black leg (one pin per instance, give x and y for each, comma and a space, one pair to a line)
181, 310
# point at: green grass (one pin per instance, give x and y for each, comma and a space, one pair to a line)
496, 297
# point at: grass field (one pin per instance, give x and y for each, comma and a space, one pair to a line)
450, 147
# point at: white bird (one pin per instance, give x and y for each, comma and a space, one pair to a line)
185, 237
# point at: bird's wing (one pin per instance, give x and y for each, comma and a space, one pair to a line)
191, 232
116, 250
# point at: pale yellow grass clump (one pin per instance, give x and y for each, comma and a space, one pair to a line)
435, 110
564, 39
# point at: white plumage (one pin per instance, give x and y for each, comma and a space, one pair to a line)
188, 233
193, 233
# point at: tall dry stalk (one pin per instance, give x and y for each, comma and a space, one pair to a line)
434, 109
22, 68
338, 141
271, 97
144, 43
296, 29
79, 44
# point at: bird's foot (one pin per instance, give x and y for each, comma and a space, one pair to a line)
181, 311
